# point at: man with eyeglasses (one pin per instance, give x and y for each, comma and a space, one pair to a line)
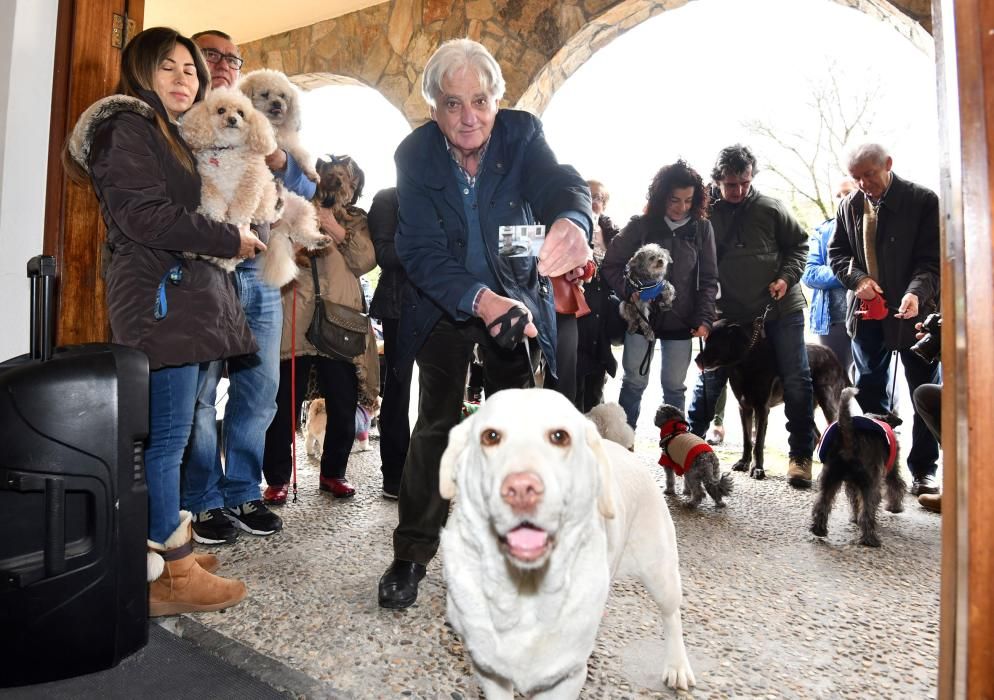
761, 250
227, 499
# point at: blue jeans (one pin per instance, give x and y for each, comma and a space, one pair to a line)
252, 384
786, 336
873, 379
172, 396
675, 355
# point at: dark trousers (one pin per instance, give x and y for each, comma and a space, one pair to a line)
786, 336
395, 426
928, 405
566, 339
874, 381
590, 390
338, 384
837, 340
442, 365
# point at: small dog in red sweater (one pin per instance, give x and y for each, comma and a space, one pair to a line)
691, 457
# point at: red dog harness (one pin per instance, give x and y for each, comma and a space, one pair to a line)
680, 446
863, 424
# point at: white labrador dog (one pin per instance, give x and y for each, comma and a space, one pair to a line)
546, 514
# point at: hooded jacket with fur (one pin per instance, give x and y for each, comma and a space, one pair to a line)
148, 201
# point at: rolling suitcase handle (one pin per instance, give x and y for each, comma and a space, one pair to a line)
41, 272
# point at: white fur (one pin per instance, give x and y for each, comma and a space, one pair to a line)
532, 626
230, 140
274, 95
154, 563
612, 424
298, 225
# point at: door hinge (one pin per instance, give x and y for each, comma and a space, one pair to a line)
122, 30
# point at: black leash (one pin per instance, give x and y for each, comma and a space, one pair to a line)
759, 327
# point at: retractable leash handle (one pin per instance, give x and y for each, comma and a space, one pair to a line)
41, 272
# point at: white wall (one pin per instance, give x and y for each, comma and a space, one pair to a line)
27, 50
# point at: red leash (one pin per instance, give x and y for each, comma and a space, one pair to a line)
293, 390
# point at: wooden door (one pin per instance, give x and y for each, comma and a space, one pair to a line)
89, 39
965, 53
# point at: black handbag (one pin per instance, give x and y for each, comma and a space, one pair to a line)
336, 330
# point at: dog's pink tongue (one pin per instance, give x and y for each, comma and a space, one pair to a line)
527, 542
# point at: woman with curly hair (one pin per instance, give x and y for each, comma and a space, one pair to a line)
675, 218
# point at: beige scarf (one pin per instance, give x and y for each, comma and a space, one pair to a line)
870, 237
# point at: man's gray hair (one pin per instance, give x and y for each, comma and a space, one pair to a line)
454, 55
868, 151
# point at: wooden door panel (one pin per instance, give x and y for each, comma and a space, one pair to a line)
87, 67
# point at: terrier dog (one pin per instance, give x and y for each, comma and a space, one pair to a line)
861, 452
691, 457
612, 424
646, 273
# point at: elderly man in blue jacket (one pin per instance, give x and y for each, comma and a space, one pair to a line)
461, 176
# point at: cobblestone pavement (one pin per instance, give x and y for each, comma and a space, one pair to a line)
769, 611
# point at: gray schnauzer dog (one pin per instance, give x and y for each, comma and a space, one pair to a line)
685, 453
645, 271
862, 453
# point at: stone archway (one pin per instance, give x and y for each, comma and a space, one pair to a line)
539, 43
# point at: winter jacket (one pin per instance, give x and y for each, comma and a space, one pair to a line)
339, 268
593, 346
148, 201
383, 229
828, 296
907, 254
693, 272
757, 242
521, 182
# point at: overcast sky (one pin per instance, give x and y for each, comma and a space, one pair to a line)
680, 85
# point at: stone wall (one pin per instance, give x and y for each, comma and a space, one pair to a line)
538, 43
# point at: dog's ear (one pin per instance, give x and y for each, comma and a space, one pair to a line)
450, 458
195, 127
605, 494
261, 138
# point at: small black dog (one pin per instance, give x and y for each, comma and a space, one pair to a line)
686, 454
752, 372
862, 453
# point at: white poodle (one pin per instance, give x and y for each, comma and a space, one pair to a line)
275, 96
231, 140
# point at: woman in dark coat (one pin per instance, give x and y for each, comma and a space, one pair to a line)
595, 360
675, 218
180, 312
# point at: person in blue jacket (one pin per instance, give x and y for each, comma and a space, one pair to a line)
828, 296
461, 176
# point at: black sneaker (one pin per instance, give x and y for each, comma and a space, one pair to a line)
213, 527
924, 485
255, 518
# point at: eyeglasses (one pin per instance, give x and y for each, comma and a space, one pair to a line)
598, 197
215, 56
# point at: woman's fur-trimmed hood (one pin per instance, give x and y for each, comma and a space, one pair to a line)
101, 110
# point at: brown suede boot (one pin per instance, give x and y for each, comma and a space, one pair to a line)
931, 501
183, 586
208, 562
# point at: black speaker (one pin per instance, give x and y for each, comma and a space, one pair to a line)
73, 503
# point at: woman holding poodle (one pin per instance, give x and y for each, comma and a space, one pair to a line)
675, 218
180, 312
343, 383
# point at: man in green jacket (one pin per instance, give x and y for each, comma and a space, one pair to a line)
761, 254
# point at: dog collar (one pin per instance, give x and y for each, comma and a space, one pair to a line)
670, 429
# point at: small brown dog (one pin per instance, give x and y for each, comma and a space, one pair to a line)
340, 184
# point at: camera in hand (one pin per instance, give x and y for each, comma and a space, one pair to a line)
928, 347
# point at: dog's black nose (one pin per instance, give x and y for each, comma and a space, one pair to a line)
232, 121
